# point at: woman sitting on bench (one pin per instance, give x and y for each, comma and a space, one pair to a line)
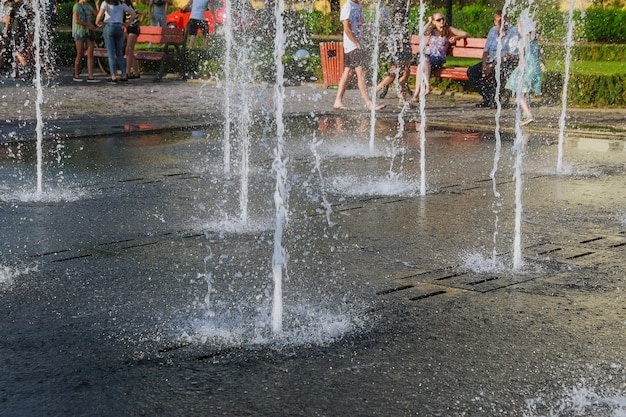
442, 37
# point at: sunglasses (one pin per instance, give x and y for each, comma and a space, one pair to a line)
441, 19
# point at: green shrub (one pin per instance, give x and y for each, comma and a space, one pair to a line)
64, 14
605, 25
597, 90
586, 51
318, 23
475, 20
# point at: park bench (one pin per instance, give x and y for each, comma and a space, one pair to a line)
163, 42
331, 54
463, 48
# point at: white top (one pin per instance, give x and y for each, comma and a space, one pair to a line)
353, 12
114, 14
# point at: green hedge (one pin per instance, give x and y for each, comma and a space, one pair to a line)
586, 51
583, 90
605, 25
597, 90
318, 23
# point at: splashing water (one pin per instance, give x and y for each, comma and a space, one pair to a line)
309, 324
228, 83
478, 264
357, 186
475, 262
8, 274
28, 195
579, 402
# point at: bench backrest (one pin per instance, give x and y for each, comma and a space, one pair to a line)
161, 35
463, 48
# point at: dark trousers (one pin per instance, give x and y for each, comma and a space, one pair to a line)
487, 86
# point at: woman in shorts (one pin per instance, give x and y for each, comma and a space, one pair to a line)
84, 33
132, 32
442, 36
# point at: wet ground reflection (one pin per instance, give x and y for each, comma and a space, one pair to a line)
143, 294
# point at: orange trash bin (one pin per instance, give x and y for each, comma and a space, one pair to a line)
331, 54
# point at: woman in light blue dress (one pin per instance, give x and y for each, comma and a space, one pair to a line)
527, 77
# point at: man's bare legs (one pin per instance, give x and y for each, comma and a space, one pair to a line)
362, 84
341, 89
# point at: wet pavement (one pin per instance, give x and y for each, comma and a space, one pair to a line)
73, 109
395, 303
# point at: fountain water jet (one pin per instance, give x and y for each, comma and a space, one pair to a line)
375, 54
228, 82
422, 81
40, 31
279, 259
498, 145
568, 59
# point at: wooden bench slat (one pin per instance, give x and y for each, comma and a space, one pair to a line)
100, 53
463, 48
149, 55
466, 52
161, 35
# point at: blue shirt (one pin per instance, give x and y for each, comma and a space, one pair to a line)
509, 42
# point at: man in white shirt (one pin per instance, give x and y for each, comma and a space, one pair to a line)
354, 56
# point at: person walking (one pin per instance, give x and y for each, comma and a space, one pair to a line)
355, 57
84, 33
526, 78
111, 17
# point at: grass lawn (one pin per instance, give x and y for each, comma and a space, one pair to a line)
589, 67
577, 67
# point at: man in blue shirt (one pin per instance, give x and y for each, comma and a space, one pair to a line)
482, 75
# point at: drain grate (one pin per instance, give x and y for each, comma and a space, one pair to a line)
427, 295
395, 289
482, 281
596, 251
580, 255
72, 258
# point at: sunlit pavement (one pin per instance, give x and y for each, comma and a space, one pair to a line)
132, 287
70, 109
